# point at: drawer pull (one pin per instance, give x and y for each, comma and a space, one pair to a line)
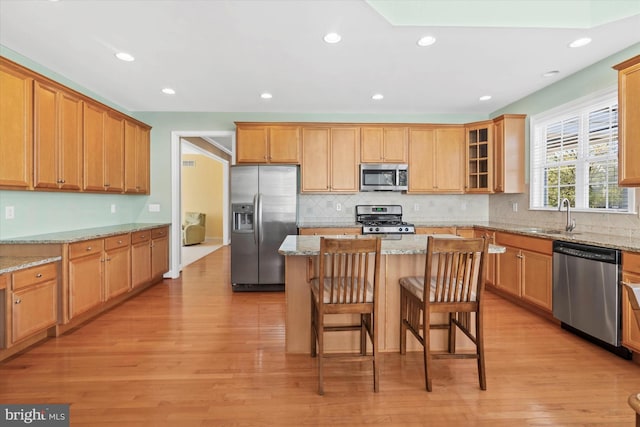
39, 275
119, 241
89, 248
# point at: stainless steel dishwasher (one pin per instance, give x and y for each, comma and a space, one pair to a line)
587, 293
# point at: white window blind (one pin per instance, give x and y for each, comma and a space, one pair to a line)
574, 155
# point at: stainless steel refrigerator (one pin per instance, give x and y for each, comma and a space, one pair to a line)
264, 204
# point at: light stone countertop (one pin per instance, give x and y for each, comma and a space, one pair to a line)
407, 244
625, 243
81, 234
15, 263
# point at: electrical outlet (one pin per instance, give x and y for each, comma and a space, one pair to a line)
154, 207
338, 207
416, 207
113, 208
9, 212
514, 206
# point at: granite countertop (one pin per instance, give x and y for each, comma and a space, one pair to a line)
407, 244
14, 263
625, 243
82, 234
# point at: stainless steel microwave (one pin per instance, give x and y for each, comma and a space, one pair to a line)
383, 177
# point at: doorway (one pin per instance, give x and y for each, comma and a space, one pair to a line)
218, 145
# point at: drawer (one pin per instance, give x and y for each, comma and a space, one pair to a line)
115, 242
34, 275
544, 246
4, 282
89, 247
159, 232
631, 262
140, 236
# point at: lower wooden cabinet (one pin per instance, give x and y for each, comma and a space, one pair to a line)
630, 328
329, 231
94, 275
117, 265
159, 252
524, 270
491, 258
33, 302
436, 230
103, 269
85, 276
140, 258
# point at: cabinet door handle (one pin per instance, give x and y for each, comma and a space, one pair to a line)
39, 275
18, 301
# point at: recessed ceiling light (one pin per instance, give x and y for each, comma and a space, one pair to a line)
550, 73
485, 97
426, 41
266, 95
378, 96
168, 91
332, 38
124, 56
580, 42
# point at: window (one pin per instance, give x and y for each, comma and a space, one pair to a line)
574, 155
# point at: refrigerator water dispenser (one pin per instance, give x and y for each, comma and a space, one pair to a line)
242, 217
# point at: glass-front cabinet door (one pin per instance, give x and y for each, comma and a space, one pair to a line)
479, 158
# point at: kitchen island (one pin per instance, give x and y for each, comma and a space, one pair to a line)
402, 256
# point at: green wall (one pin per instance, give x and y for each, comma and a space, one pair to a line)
42, 212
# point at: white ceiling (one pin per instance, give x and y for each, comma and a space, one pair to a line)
219, 55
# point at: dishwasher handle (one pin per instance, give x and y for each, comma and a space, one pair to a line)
595, 253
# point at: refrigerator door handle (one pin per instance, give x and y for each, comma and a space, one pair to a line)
256, 220
260, 233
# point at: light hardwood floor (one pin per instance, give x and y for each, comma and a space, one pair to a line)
189, 352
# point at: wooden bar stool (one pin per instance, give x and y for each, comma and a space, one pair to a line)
347, 283
454, 276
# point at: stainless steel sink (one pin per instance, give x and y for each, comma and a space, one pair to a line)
548, 231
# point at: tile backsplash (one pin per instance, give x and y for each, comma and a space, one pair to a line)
501, 210
340, 208
463, 208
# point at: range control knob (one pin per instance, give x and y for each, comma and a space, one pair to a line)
377, 229
400, 229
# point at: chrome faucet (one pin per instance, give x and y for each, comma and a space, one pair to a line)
571, 223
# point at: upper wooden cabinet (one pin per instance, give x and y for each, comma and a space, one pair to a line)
508, 153
479, 157
54, 138
436, 160
136, 158
628, 123
267, 144
103, 149
114, 153
57, 138
93, 147
330, 159
16, 127
386, 144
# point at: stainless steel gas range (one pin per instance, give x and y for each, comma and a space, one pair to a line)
383, 219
